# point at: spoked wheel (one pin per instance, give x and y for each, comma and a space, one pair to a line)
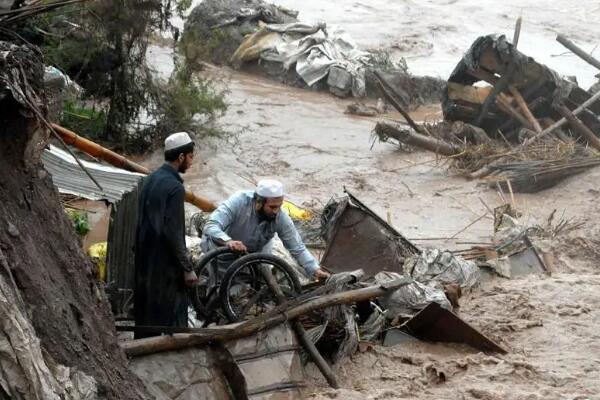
245, 292
205, 296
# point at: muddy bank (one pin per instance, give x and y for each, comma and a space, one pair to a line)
59, 286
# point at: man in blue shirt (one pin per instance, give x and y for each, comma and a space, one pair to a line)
249, 220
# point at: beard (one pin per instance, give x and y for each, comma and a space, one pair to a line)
264, 217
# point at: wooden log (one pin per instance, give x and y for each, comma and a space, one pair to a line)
390, 130
471, 133
578, 51
517, 33
498, 88
95, 150
235, 331
579, 126
389, 93
524, 108
484, 75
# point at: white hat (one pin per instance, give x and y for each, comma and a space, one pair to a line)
269, 188
177, 140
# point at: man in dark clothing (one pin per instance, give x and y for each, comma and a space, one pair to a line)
163, 269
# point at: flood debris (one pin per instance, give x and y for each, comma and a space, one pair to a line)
270, 40
507, 118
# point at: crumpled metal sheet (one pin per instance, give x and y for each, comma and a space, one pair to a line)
438, 268
409, 299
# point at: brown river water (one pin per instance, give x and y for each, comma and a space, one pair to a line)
549, 324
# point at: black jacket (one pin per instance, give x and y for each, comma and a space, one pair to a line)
160, 252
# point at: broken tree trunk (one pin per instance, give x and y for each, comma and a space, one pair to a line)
387, 130
578, 51
95, 150
579, 126
235, 331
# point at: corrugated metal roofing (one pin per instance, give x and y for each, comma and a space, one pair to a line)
69, 178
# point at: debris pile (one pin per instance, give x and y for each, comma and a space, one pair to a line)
507, 118
270, 40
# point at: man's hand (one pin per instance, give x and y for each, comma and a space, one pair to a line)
190, 279
321, 274
235, 245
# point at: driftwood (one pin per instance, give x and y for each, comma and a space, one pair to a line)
386, 130
389, 93
235, 331
578, 51
579, 126
504, 105
498, 88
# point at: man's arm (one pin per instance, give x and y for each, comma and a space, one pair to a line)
174, 228
292, 241
221, 219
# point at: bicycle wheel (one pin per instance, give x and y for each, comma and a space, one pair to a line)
244, 292
204, 297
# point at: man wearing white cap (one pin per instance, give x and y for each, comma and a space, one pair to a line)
249, 220
163, 269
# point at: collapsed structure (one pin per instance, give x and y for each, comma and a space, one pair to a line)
508, 118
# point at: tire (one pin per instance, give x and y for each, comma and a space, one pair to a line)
197, 295
247, 261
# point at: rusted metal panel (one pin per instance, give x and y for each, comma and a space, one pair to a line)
270, 363
436, 324
360, 239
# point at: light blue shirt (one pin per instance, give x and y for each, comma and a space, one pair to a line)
237, 219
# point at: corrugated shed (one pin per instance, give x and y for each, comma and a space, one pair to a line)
69, 178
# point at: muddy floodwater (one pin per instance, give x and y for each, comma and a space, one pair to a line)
549, 324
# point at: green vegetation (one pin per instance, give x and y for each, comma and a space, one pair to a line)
80, 221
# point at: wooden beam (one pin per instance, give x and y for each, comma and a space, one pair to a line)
225, 333
578, 51
390, 130
517, 33
579, 126
524, 108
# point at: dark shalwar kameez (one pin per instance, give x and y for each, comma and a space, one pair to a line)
160, 252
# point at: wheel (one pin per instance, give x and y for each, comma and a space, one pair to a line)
244, 292
204, 297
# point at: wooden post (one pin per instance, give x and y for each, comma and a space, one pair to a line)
498, 88
517, 33
578, 51
579, 126
524, 108
235, 331
505, 106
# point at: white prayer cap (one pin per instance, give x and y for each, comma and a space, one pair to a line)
269, 188
177, 140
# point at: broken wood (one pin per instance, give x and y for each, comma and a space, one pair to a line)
578, 51
504, 105
305, 341
498, 88
386, 130
225, 333
562, 121
389, 93
524, 108
517, 33
95, 150
579, 126
469, 132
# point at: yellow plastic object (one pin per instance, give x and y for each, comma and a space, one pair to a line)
296, 212
97, 252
